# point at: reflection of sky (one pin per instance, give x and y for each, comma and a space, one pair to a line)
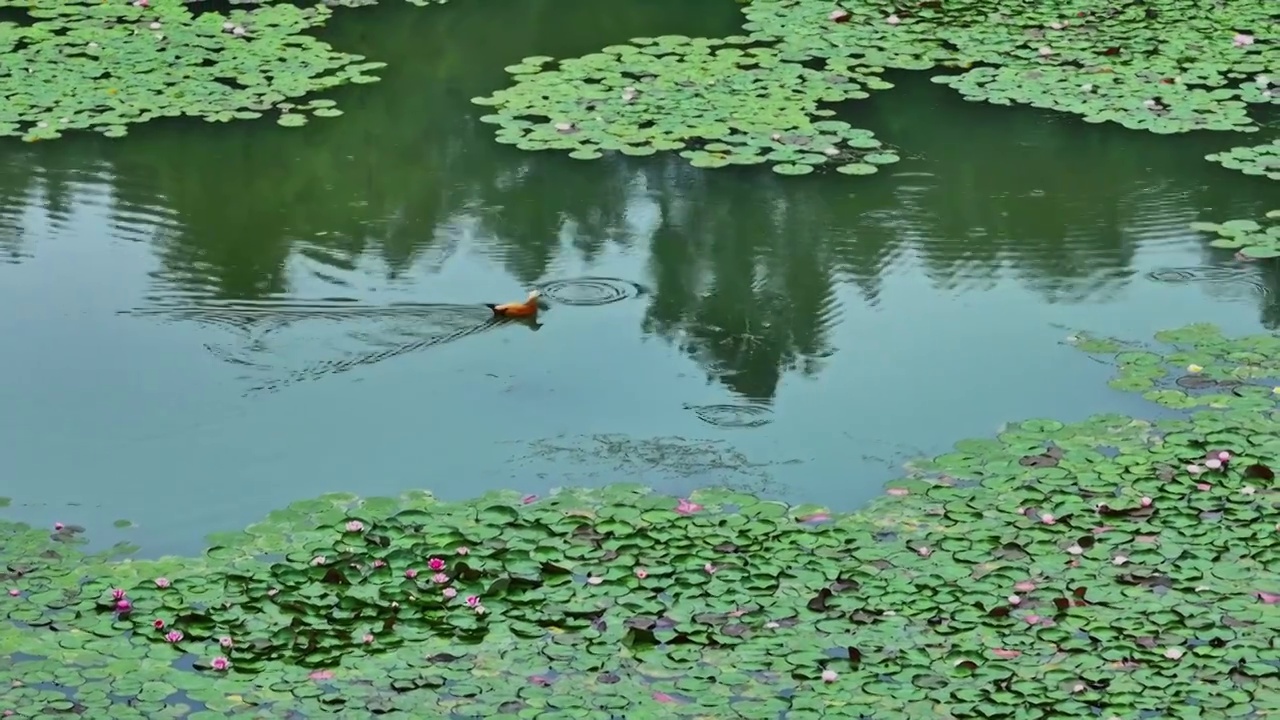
133, 418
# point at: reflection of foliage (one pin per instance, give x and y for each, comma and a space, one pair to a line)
86, 64
1111, 567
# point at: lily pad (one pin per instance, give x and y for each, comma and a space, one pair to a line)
721, 105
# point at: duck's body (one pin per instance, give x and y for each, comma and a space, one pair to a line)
528, 308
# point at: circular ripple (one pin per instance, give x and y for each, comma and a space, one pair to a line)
590, 290
1210, 276
732, 416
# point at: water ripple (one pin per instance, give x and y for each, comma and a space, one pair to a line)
293, 341
730, 415
1211, 275
590, 290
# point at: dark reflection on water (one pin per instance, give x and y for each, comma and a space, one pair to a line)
742, 271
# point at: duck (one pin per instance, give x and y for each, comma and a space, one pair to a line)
526, 309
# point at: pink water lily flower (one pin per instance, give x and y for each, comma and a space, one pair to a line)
439, 578
173, 636
58, 526
220, 663
321, 675
464, 550
411, 573
830, 676
893, 20
1242, 40
162, 582
117, 594
123, 606
473, 600
527, 499
1213, 463
367, 639
642, 573
709, 569
355, 526
1048, 519
14, 592
225, 642
685, 507
1268, 598
1025, 586
449, 593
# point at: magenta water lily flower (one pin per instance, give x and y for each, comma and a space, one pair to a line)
162, 582
473, 600
117, 594
173, 636
435, 564
123, 606
686, 507
220, 663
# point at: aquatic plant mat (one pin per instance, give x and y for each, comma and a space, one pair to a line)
1166, 66
1112, 568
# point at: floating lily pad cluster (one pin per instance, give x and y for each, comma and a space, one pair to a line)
1263, 160
716, 102
1250, 238
1107, 568
1166, 66
103, 66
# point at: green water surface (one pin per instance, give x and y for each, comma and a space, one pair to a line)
201, 321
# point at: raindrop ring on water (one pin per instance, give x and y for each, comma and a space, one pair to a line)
590, 290
732, 416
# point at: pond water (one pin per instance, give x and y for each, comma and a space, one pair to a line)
204, 322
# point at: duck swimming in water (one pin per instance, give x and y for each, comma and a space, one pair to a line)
528, 308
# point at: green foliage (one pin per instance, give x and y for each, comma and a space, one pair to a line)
1169, 66
715, 102
103, 66
1111, 567
1251, 238
1261, 159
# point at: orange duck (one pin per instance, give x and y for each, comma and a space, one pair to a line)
526, 309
